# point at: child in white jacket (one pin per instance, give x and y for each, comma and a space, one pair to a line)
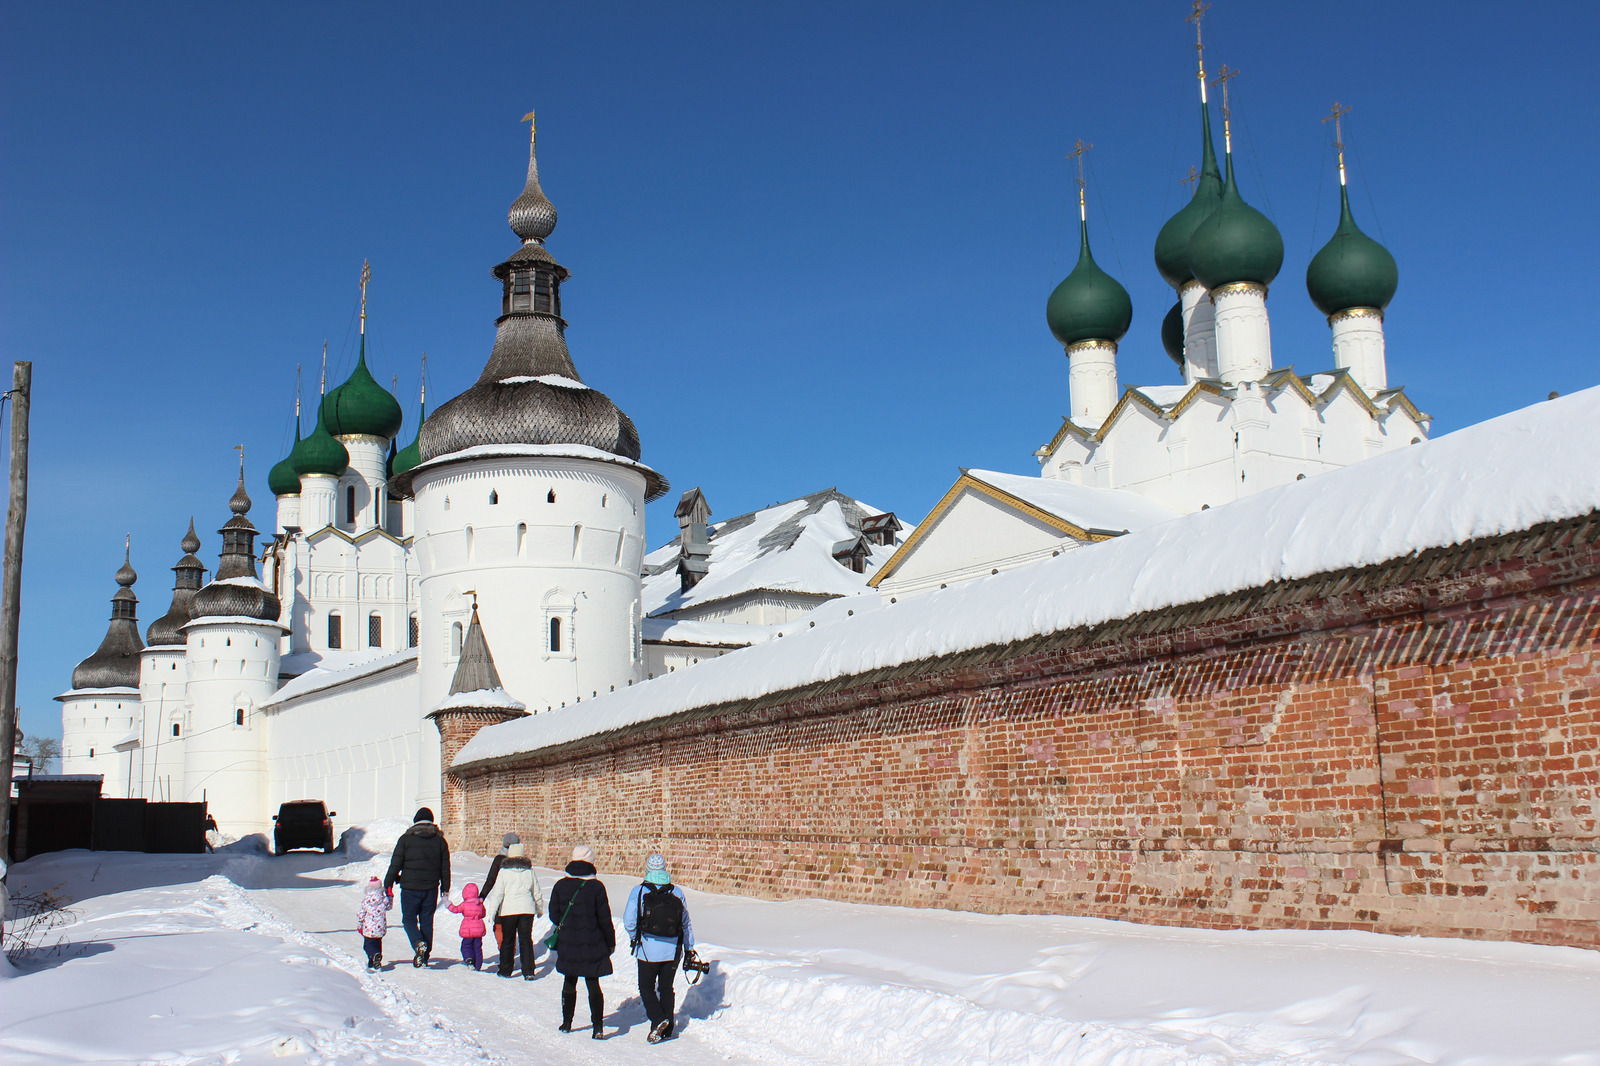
372, 921
513, 903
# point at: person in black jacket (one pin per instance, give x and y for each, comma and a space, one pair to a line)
421, 864
585, 938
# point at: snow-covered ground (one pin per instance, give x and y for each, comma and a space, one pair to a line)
241, 957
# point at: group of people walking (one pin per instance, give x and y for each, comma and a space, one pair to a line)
583, 935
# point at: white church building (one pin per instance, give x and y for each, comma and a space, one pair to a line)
515, 521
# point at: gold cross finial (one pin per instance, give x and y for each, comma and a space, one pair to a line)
322, 386
1199, 13
1336, 115
533, 128
423, 397
1192, 177
240, 449
1223, 77
297, 399
1078, 148
366, 276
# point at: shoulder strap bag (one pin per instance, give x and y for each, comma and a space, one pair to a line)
550, 941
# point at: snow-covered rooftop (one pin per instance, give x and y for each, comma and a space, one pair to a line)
1084, 506
689, 631
1503, 475
327, 676
787, 547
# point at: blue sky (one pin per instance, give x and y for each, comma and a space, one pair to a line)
810, 244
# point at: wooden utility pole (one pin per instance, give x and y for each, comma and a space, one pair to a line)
11, 583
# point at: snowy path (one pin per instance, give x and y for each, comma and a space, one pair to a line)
222, 958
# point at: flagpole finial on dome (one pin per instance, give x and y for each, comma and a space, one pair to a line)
532, 215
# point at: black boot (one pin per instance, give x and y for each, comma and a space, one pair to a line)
569, 1003
597, 1013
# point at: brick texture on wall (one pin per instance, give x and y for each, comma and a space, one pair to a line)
1417, 757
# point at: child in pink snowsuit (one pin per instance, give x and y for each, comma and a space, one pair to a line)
372, 920
472, 929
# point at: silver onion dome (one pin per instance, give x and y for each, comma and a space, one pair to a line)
236, 591
115, 664
530, 391
168, 629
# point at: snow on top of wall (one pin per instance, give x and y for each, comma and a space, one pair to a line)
84, 693
1083, 505
1507, 474
689, 631
754, 552
319, 678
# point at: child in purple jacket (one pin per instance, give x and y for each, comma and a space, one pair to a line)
472, 911
372, 920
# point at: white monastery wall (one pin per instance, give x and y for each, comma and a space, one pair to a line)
357, 746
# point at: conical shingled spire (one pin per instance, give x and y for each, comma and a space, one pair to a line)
476, 686
115, 664
236, 591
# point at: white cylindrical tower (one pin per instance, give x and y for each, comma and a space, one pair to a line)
163, 677
318, 493
232, 659
1358, 347
1199, 333
362, 495
1244, 336
101, 712
1092, 379
529, 492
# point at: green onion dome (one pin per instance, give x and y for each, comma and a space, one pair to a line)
1352, 270
1172, 243
320, 453
1089, 304
1172, 334
409, 457
282, 479
1236, 243
361, 405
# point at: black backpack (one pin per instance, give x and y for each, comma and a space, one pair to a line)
660, 913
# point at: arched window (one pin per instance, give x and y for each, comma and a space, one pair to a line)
494, 497
335, 631
555, 634
411, 636
176, 730
238, 716
551, 498
522, 540
455, 639
350, 504
469, 544
374, 631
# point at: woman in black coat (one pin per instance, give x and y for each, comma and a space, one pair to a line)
586, 939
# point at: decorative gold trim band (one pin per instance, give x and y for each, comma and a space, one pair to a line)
1192, 283
1089, 345
330, 477
361, 438
1235, 288
1356, 312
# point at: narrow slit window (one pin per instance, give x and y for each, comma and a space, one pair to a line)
335, 631
374, 631
350, 505
494, 497
411, 635
555, 634
550, 497
238, 716
177, 731
455, 639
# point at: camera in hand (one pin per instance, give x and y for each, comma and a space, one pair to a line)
691, 961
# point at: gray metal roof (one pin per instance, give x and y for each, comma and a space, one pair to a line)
224, 596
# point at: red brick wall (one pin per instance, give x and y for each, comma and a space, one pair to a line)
1413, 759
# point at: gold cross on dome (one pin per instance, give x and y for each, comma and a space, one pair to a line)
1199, 13
1192, 177
366, 276
533, 127
1336, 115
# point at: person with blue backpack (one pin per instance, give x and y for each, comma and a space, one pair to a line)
657, 923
